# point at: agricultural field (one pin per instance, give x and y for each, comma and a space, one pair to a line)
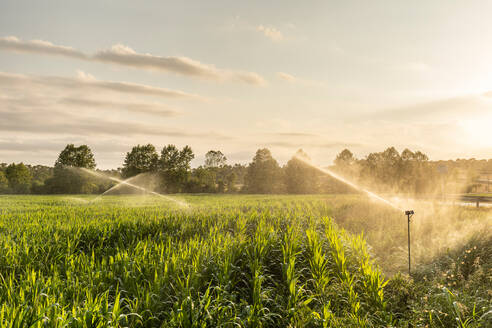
241, 261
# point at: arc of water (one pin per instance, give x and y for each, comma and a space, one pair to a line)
349, 183
128, 183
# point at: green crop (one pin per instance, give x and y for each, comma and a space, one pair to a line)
224, 261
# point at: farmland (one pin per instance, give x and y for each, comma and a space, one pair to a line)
240, 261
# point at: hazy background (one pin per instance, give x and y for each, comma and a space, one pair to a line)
237, 76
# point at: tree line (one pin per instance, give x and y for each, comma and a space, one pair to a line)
170, 171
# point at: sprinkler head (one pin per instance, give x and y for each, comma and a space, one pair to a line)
411, 212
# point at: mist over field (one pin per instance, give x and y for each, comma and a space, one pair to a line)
245, 164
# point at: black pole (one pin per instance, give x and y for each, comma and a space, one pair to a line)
409, 215
409, 263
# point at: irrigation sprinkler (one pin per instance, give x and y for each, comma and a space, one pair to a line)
409, 215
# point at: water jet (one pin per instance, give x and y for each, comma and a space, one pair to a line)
130, 184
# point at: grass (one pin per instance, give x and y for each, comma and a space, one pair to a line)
238, 261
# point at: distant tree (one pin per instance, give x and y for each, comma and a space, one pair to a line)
4, 183
230, 181
300, 178
76, 157
68, 180
19, 178
40, 173
215, 158
239, 171
215, 163
344, 159
175, 166
390, 168
139, 160
264, 175
202, 180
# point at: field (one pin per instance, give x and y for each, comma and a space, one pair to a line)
241, 261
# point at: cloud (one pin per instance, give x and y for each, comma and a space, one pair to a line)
12, 43
312, 145
125, 56
85, 82
59, 106
270, 32
20, 119
305, 82
295, 134
457, 108
153, 109
286, 77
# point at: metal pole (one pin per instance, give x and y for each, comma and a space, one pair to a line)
409, 215
409, 263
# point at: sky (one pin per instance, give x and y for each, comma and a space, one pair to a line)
236, 76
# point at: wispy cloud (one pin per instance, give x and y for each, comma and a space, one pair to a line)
53, 145
14, 122
13, 43
457, 108
286, 77
60, 106
295, 134
125, 56
312, 145
270, 32
153, 109
306, 82
24, 119
89, 83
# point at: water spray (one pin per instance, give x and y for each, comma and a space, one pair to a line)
372, 195
349, 183
409, 214
128, 183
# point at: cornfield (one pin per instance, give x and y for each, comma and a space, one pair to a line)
225, 261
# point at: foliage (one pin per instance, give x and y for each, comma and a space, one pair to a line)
301, 178
152, 265
345, 159
385, 172
4, 183
174, 167
67, 178
19, 178
76, 157
227, 261
215, 159
140, 159
264, 175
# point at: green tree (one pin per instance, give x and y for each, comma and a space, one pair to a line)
76, 157
264, 175
215, 158
4, 183
202, 180
215, 163
175, 167
300, 178
19, 178
40, 174
140, 159
66, 178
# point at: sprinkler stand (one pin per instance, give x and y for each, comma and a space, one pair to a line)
409, 215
